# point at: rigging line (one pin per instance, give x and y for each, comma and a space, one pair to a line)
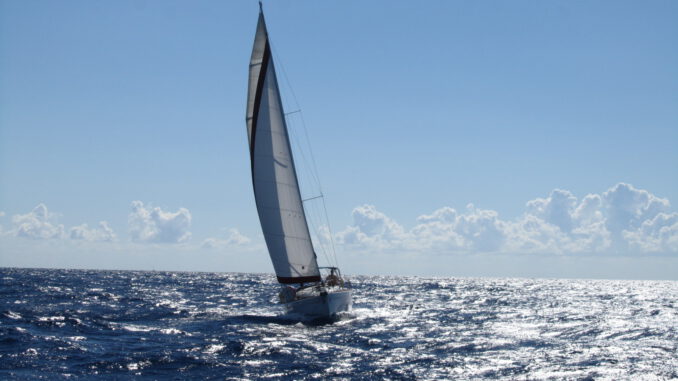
329, 230
310, 148
317, 178
314, 215
313, 162
317, 215
318, 230
308, 175
297, 141
311, 198
301, 114
322, 233
321, 244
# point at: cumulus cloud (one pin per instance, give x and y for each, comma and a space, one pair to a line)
656, 235
622, 219
557, 209
37, 224
627, 208
152, 224
84, 233
371, 227
235, 238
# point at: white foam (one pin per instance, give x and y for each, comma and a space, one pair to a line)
13, 315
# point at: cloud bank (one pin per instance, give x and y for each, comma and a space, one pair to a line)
621, 220
102, 233
40, 224
149, 224
146, 224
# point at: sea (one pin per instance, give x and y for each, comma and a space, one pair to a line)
85, 324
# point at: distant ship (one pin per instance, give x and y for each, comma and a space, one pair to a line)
304, 290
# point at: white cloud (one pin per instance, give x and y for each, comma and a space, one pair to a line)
83, 232
627, 208
372, 228
40, 224
235, 238
659, 234
621, 220
446, 229
37, 224
155, 225
478, 229
557, 209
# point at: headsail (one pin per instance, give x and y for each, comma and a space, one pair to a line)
276, 188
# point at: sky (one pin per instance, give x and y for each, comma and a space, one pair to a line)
451, 138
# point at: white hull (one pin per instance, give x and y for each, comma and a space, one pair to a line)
321, 306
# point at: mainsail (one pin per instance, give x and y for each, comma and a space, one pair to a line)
276, 188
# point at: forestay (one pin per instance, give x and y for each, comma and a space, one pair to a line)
276, 188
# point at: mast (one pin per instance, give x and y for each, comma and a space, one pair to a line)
274, 178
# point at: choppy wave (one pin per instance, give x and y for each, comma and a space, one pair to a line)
120, 324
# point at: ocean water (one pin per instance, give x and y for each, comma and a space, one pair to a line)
58, 324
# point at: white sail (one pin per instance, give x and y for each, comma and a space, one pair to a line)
276, 188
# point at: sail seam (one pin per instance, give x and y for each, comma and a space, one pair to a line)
280, 209
287, 236
289, 185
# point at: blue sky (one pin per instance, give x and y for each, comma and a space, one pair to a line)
411, 108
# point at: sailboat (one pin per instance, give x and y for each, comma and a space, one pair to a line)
303, 289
